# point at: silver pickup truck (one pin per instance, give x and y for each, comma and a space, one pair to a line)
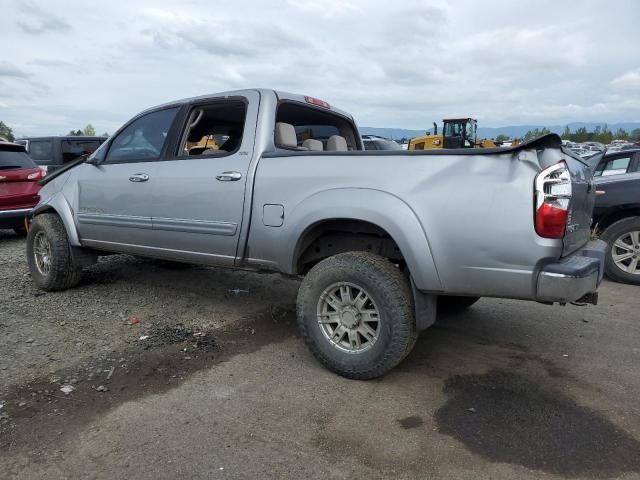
266, 180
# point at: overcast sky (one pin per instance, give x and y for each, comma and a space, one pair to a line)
392, 64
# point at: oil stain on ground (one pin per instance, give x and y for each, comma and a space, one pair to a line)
508, 418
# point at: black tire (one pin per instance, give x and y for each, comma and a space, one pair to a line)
452, 304
63, 271
20, 230
610, 235
387, 287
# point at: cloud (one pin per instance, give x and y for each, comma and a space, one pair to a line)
627, 81
36, 21
8, 70
391, 64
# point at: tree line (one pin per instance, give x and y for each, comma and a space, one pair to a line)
6, 132
599, 134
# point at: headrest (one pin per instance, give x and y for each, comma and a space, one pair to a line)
285, 135
337, 143
312, 144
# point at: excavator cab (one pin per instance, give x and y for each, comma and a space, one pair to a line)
459, 132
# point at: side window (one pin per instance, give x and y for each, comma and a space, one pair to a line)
215, 129
72, 149
41, 149
143, 139
614, 166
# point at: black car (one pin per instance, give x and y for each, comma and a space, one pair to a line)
616, 216
52, 153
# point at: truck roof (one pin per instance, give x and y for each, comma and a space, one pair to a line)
280, 95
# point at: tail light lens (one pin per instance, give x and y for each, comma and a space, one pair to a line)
553, 196
36, 175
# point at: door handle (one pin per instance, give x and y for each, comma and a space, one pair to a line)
229, 176
139, 177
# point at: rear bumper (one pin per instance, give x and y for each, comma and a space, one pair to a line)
11, 218
573, 277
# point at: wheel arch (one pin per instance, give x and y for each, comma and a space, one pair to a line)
383, 214
58, 204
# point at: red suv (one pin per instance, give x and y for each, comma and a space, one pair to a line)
19, 187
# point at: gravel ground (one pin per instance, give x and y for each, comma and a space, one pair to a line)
151, 371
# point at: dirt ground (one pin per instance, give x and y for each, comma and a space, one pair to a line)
151, 371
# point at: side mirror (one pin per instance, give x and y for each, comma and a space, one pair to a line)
92, 161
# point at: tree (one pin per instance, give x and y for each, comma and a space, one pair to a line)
89, 131
566, 133
502, 138
635, 135
6, 132
535, 133
75, 133
621, 134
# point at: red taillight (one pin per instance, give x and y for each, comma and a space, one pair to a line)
35, 175
553, 197
551, 221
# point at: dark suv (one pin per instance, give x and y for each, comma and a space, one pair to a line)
617, 211
51, 153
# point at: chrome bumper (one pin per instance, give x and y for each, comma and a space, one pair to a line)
573, 277
14, 215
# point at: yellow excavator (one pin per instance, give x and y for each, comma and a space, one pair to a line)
456, 133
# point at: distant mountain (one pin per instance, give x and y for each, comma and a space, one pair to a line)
493, 132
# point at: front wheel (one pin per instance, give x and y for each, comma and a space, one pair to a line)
622, 262
49, 255
355, 313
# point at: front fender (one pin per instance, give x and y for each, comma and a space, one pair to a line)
374, 206
59, 204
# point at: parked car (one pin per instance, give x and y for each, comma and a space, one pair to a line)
54, 152
374, 142
379, 238
616, 214
19, 187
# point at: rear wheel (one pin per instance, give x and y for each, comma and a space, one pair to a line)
355, 313
49, 255
622, 262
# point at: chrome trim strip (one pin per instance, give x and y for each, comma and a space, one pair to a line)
114, 220
195, 226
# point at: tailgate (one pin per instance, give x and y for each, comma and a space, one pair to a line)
583, 197
17, 190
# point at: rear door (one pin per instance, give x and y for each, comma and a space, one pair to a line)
198, 190
114, 197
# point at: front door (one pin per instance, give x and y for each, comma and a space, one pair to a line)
198, 190
114, 196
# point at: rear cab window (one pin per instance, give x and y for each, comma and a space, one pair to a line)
306, 127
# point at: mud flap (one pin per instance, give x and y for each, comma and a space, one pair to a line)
426, 305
